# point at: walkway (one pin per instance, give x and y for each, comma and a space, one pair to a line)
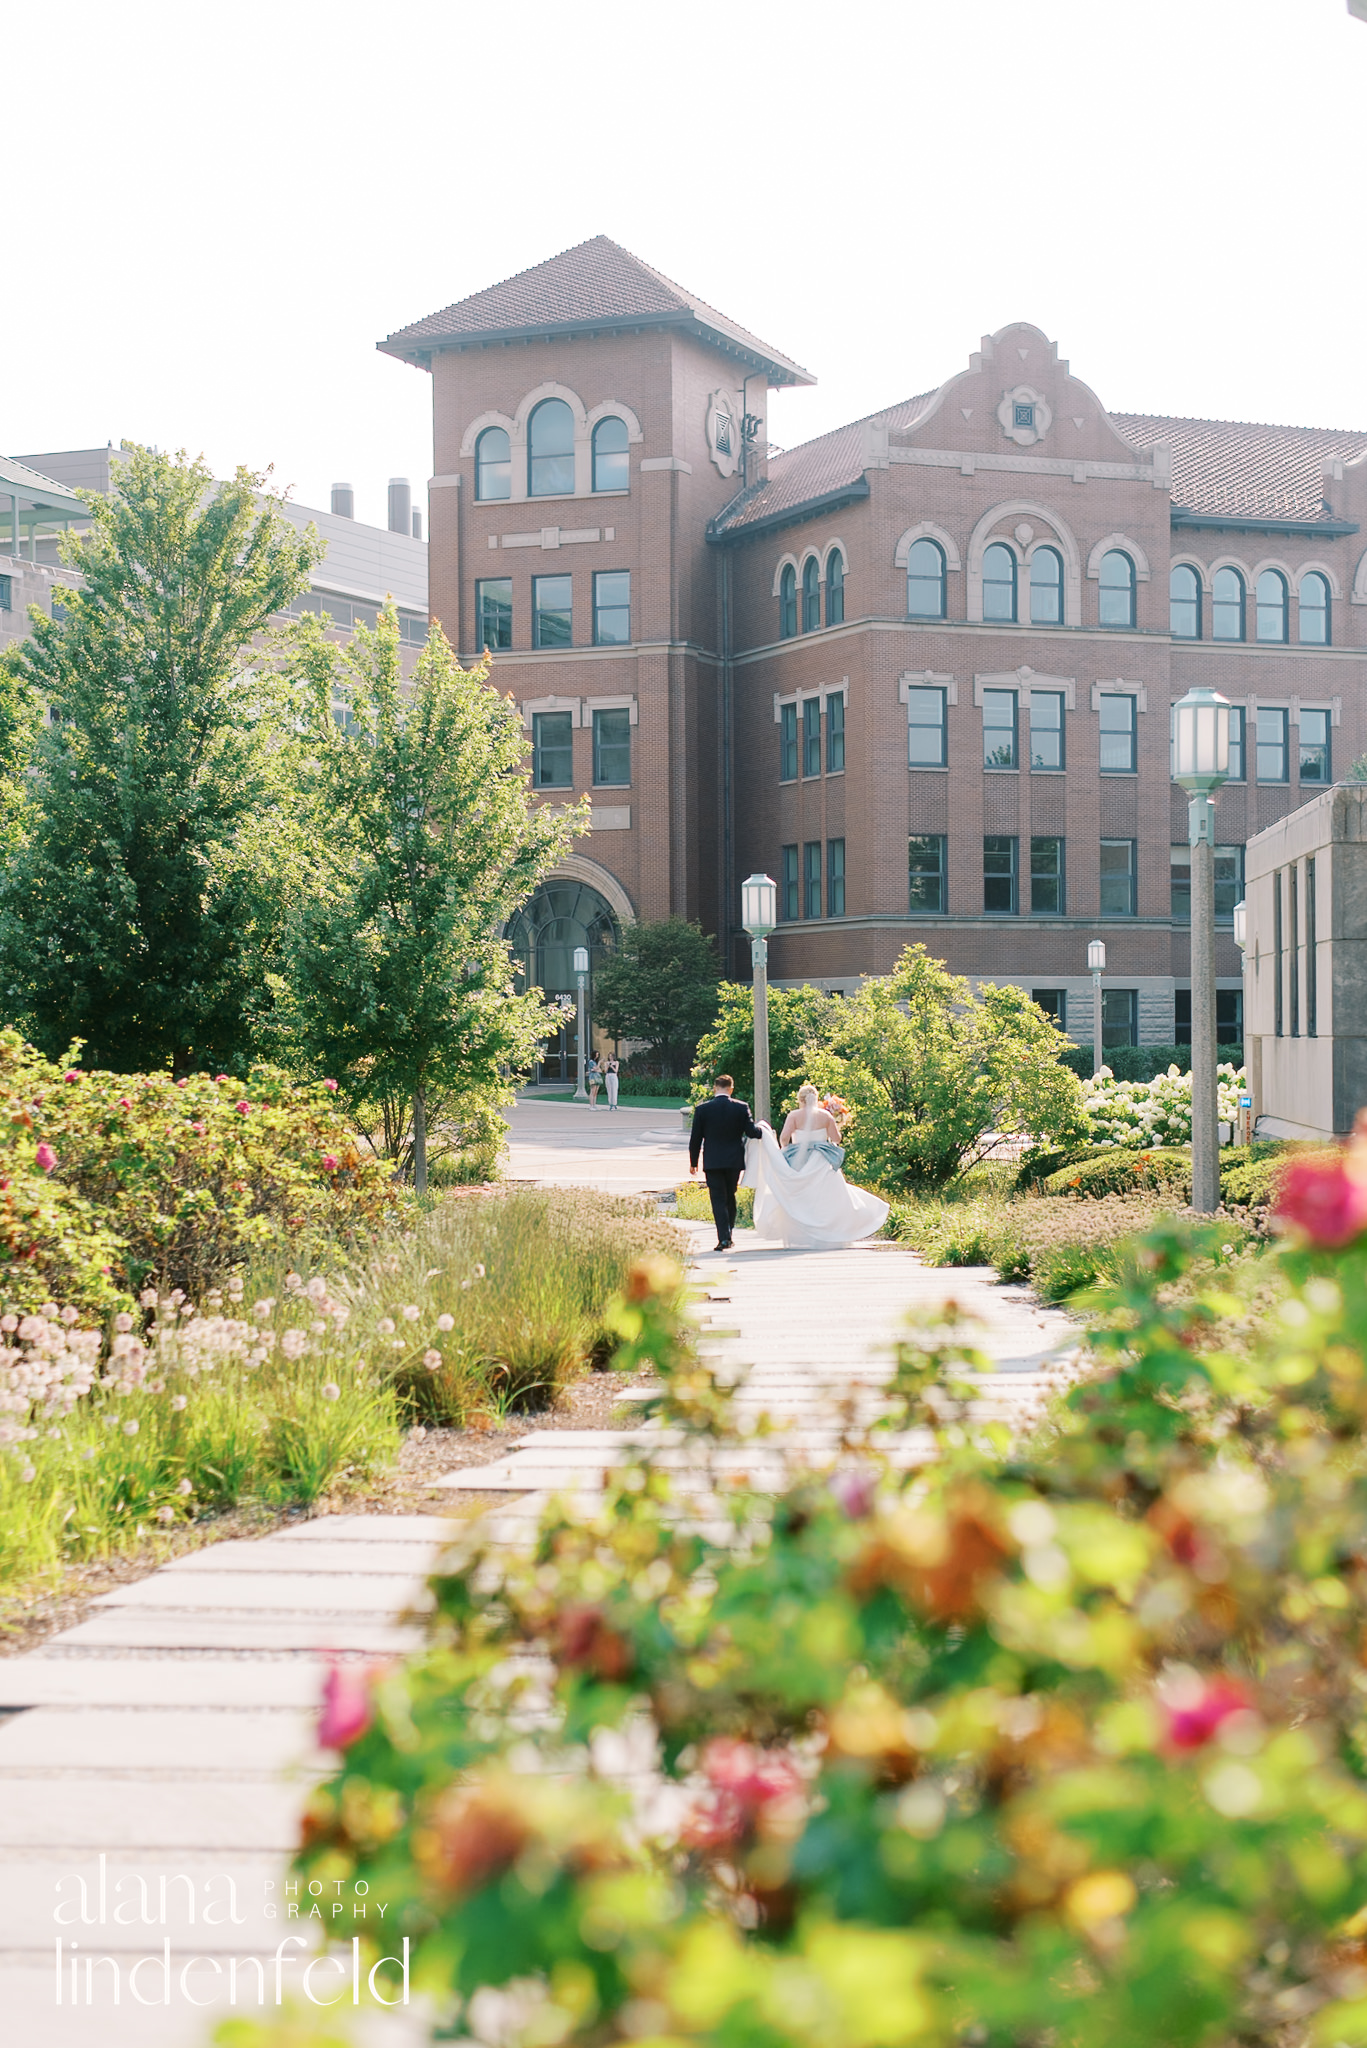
621, 1151
172, 1730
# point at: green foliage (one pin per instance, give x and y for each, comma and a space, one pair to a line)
397, 979
661, 986
1251, 1182
20, 718
800, 1021
937, 1073
1142, 1062
178, 1183
1120, 1170
694, 1206
142, 902
1037, 1162
1057, 1741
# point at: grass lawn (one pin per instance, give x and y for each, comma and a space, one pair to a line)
672, 1102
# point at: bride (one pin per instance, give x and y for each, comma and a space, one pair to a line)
801, 1196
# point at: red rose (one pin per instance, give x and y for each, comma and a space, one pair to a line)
1325, 1198
1192, 1724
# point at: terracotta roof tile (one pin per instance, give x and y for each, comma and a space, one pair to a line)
596, 284
817, 469
1245, 470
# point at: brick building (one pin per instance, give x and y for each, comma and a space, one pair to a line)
919, 669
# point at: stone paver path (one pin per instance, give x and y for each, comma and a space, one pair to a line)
620, 1151
172, 1730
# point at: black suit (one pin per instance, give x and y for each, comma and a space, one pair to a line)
720, 1129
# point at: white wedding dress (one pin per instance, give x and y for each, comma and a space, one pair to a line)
801, 1196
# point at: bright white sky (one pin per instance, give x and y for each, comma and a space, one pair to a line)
214, 212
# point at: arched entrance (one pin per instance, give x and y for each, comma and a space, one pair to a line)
563, 914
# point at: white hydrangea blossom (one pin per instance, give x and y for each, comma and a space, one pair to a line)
1145, 1114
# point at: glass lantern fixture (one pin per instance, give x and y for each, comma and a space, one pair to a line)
759, 905
1096, 957
581, 959
1240, 925
1200, 754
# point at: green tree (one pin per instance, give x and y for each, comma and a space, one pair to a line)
938, 1073
139, 904
397, 980
661, 986
19, 721
800, 1024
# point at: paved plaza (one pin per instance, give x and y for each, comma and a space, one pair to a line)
172, 1728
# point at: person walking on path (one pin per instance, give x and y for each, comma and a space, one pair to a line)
720, 1129
594, 1077
612, 1077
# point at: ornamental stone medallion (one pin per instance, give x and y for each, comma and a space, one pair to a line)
723, 431
1025, 416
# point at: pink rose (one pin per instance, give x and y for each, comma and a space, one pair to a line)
220, 1077
244, 1109
348, 1705
46, 1157
71, 1075
182, 1084
747, 1787
124, 1103
1191, 1725
198, 1129
1327, 1199
330, 1084
329, 1162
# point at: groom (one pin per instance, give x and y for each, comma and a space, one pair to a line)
720, 1129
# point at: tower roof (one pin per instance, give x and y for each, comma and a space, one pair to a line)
584, 290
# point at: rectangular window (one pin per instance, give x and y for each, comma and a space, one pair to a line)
811, 878
789, 905
1271, 745
1229, 883
1277, 1015
1315, 746
6, 593
811, 735
926, 873
1312, 1000
1293, 945
1046, 729
1118, 878
612, 747
1119, 1017
926, 728
999, 874
835, 878
552, 750
1046, 878
552, 611
1053, 1002
1117, 735
612, 607
1229, 1008
835, 733
494, 604
999, 729
787, 743
1237, 768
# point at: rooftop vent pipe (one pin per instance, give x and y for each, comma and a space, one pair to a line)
344, 501
400, 505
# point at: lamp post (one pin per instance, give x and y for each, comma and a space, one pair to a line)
759, 915
581, 972
1201, 764
1096, 961
1245, 1126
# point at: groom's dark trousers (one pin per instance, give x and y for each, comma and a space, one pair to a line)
720, 1129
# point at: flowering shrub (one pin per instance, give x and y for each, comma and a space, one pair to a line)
1156, 1112
1063, 1742
109, 1179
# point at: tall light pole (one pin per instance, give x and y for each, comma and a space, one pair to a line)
1096, 961
1201, 764
759, 915
581, 971
1245, 1124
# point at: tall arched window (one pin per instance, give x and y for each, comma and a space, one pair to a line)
1272, 605
835, 588
811, 595
1227, 605
787, 603
1184, 603
493, 464
999, 584
1046, 587
1115, 597
1314, 597
610, 469
550, 450
926, 580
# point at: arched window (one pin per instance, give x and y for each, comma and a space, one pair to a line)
550, 450
811, 595
493, 464
1046, 587
835, 588
1272, 605
610, 469
1184, 603
1227, 605
787, 603
926, 580
1314, 596
1115, 598
999, 584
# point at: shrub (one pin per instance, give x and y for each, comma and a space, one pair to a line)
176, 1181
1153, 1112
1119, 1171
694, 1206
1039, 1161
800, 1023
1142, 1062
